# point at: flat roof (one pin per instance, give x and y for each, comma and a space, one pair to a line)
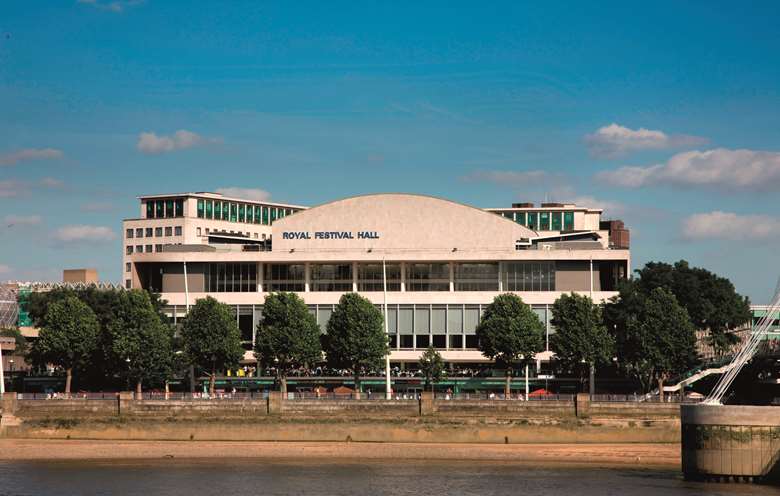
218, 196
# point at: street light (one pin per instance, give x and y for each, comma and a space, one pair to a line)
11, 362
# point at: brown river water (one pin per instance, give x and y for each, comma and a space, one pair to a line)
261, 477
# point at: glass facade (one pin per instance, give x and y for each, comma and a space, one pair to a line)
556, 221
169, 208
150, 209
568, 221
330, 277
533, 221
529, 276
520, 218
231, 277
284, 277
427, 277
201, 204
241, 212
370, 277
476, 277
217, 210
544, 221
209, 209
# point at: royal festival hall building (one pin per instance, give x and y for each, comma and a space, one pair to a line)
445, 261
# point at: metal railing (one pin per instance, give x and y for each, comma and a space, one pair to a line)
639, 398
71, 396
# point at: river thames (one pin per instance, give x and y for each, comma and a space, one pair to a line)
176, 477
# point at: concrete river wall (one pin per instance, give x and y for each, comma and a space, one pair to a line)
731, 442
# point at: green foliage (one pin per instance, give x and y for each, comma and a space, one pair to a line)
580, 334
509, 330
69, 337
711, 301
431, 365
356, 339
21, 348
655, 339
288, 336
210, 337
140, 336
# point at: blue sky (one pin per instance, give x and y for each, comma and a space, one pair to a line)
665, 114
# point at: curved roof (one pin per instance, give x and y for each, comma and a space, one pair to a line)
396, 221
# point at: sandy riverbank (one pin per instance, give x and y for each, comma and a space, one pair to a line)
605, 455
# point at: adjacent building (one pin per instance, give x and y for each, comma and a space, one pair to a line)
441, 262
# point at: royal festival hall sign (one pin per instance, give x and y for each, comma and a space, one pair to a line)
330, 235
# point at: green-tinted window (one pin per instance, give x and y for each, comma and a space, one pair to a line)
281, 213
265, 215
159, 209
544, 221
169, 208
217, 210
520, 218
568, 221
150, 210
258, 213
209, 209
233, 212
273, 214
225, 211
509, 215
241, 212
533, 220
556, 221
200, 209
179, 206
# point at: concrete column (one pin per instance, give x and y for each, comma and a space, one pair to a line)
427, 406
125, 403
260, 268
354, 277
307, 276
403, 276
452, 276
582, 405
275, 400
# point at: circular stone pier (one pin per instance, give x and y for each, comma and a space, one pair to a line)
731, 443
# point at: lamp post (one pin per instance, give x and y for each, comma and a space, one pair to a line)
11, 363
388, 392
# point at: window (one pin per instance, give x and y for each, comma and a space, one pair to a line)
209, 209
233, 212
471, 341
128, 233
557, 223
544, 221
197, 231
427, 277
169, 208
158, 248
456, 341
533, 221
225, 211
568, 221
508, 215
331, 277
177, 231
139, 232
265, 215
159, 209
370, 277
258, 214
128, 284
129, 250
250, 214
284, 277
520, 218
231, 277
179, 205
476, 277
200, 209
440, 341
242, 212
406, 341
158, 232
529, 276
139, 248
148, 248
150, 210
168, 231
273, 214
217, 210
207, 231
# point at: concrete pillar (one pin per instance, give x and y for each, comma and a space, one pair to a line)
403, 276
427, 406
307, 276
275, 400
124, 402
354, 277
582, 405
260, 277
452, 276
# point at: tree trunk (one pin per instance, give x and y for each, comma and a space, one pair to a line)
283, 385
167, 390
138, 390
508, 385
592, 381
68, 380
212, 382
357, 382
661, 389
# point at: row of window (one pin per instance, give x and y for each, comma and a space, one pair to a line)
165, 209
542, 221
241, 212
516, 276
156, 232
129, 250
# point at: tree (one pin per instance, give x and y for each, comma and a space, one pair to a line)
509, 331
356, 339
141, 340
656, 340
581, 340
431, 365
288, 336
69, 336
211, 338
711, 301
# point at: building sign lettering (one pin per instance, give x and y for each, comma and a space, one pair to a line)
330, 235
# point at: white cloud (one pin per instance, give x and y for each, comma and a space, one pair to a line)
51, 182
21, 220
25, 154
71, 234
152, 144
11, 188
730, 226
246, 193
112, 6
4, 269
616, 140
719, 168
509, 178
